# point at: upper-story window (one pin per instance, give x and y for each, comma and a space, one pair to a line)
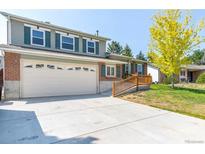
67, 42
38, 37
91, 47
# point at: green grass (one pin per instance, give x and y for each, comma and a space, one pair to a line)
182, 100
196, 86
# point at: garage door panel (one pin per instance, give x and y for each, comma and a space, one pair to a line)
37, 82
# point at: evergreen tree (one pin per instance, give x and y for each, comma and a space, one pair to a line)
141, 56
114, 47
127, 51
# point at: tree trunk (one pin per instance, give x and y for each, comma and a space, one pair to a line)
172, 80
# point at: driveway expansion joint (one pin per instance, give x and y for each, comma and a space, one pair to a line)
114, 126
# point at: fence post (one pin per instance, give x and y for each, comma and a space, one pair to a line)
113, 88
137, 83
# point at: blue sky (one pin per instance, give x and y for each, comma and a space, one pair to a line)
124, 26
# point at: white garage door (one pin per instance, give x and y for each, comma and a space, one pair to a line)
47, 78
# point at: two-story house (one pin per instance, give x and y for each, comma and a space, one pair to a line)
42, 59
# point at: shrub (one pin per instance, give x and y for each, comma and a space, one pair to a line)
168, 80
201, 78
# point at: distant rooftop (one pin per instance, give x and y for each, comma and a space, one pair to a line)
194, 67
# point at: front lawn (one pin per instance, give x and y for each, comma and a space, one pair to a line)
191, 86
181, 100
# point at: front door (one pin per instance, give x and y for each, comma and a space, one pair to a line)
190, 76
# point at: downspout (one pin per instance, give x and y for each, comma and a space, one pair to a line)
129, 67
3, 67
9, 30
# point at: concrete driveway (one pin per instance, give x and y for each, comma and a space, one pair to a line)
94, 119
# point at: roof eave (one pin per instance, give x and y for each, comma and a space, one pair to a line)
43, 53
31, 21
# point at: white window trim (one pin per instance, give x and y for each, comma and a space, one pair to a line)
183, 76
90, 39
66, 34
61, 42
44, 37
110, 70
35, 27
87, 46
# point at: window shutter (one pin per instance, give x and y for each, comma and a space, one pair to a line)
76, 44
142, 69
118, 71
84, 45
27, 35
48, 39
57, 41
97, 48
123, 69
103, 70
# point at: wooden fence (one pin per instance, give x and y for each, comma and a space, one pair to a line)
118, 87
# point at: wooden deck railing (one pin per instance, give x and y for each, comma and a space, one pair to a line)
118, 87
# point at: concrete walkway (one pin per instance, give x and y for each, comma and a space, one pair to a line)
94, 119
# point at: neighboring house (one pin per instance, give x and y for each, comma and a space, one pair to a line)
190, 73
154, 72
157, 75
42, 59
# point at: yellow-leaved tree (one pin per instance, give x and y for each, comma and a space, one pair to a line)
173, 36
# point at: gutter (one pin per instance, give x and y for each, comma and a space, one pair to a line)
33, 52
52, 26
131, 59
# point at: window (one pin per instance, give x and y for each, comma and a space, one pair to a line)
67, 43
110, 71
37, 37
59, 68
139, 69
182, 72
77, 68
91, 47
85, 69
51, 66
28, 66
70, 69
126, 68
39, 65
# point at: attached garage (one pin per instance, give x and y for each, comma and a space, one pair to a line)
51, 78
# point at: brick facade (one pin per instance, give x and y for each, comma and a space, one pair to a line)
12, 66
145, 68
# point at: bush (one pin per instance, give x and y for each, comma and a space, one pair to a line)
168, 80
201, 78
